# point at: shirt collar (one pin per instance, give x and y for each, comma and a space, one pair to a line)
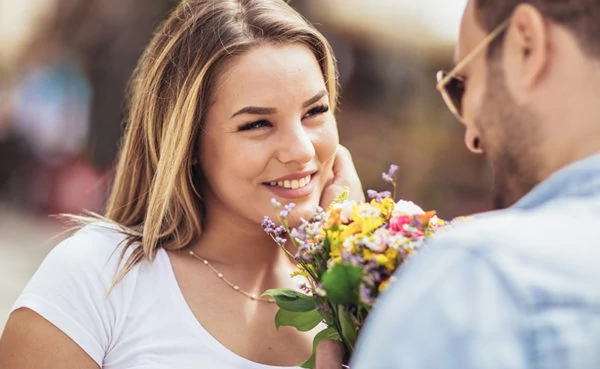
577, 179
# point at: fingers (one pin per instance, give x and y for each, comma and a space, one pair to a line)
330, 192
344, 173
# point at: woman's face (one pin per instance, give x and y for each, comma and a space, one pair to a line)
269, 133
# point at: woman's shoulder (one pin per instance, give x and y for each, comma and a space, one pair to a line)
73, 287
99, 243
92, 256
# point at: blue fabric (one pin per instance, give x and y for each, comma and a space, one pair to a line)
516, 288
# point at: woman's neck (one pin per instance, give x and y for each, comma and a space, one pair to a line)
235, 244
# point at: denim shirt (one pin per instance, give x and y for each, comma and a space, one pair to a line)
516, 288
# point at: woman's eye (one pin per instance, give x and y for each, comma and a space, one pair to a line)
254, 125
317, 110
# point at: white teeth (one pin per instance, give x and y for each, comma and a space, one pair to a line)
293, 184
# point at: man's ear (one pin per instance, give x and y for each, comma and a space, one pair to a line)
526, 49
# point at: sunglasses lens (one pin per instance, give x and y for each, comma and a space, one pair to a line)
452, 92
455, 89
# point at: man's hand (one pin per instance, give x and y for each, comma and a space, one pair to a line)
344, 175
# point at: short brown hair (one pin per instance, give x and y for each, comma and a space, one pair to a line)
582, 17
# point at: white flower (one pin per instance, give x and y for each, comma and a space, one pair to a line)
368, 211
350, 241
396, 241
415, 244
346, 210
377, 241
403, 207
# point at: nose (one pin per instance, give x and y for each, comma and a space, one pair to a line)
296, 145
473, 142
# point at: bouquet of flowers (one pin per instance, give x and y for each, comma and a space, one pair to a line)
348, 254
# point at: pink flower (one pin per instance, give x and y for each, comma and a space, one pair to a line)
377, 242
417, 234
397, 224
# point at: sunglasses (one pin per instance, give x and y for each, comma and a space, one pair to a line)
451, 85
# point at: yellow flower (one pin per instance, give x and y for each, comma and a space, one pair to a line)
392, 255
384, 285
351, 229
335, 249
386, 205
386, 259
334, 218
299, 272
367, 218
368, 254
381, 259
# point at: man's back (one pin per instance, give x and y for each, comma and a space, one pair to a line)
518, 288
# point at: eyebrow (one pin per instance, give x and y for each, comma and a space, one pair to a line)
257, 110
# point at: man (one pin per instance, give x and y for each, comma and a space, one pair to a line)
519, 287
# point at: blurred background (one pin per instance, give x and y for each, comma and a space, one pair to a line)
64, 65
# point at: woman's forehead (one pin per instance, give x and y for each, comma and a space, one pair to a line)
270, 70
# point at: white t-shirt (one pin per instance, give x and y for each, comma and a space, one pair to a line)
144, 322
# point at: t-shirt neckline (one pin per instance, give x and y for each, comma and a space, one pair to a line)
189, 317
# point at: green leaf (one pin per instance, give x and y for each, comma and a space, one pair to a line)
291, 300
327, 334
303, 321
341, 283
349, 328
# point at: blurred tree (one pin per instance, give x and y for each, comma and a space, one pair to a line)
106, 37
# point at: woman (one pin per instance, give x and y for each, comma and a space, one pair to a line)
232, 105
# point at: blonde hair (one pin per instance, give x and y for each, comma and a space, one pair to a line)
155, 196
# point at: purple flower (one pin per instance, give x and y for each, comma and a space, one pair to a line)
280, 240
298, 235
378, 196
304, 255
304, 287
352, 259
276, 204
324, 308
365, 294
318, 214
371, 276
268, 225
391, 173
279, 231
287, 209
